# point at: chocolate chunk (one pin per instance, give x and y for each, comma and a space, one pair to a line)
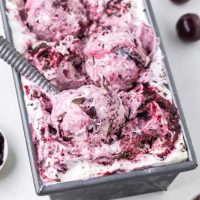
118, 133
63, 167
144, 115
197, 198
106, 87
122, 51
124, 155
78, 101
92, 112
133, 85
162, 103
52, 130
90, 130
141, 145
67, 139
44, 53
135, 57
150, 98
29, 27
98, 84
151, 140
37, 48
78, 65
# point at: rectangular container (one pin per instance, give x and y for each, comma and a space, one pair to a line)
113, 186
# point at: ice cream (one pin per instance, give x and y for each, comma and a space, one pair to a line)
117, 57
89, 110
115, 112
54, 20
60, 62
98, 10
153, 122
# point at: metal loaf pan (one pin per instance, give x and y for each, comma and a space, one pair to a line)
118, 185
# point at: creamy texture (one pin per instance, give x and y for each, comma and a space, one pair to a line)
116, 112
53, 20
116, 57
88, 109
59, 62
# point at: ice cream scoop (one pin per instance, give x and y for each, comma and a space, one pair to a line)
9, 54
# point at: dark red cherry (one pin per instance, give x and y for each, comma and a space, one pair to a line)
1, 148
188, 27
197, 198
179, 1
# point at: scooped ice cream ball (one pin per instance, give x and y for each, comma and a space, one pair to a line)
88, 110
117, 57
53, 20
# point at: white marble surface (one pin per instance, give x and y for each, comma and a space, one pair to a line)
15, 179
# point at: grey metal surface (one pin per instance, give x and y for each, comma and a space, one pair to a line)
10, 55
119, 189
114, 181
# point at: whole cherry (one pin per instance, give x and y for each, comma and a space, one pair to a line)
179, 1
188, 27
